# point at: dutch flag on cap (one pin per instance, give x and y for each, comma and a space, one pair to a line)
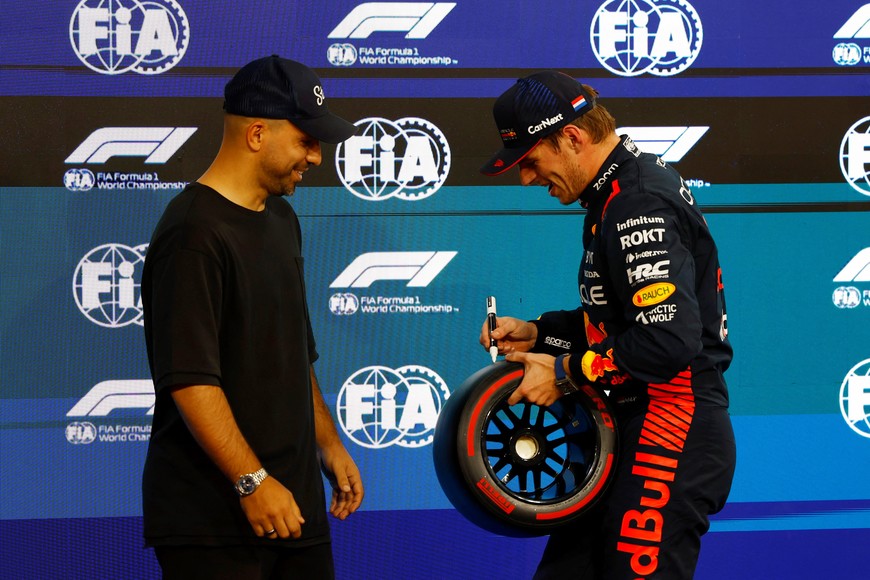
579, 103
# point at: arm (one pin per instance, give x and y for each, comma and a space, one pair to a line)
337, 465
208, 416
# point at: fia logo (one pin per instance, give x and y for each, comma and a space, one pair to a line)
633, 37
341, 54
116, 36
855, 398
378, 406
79, 179
106, 285
855, 156
408, 159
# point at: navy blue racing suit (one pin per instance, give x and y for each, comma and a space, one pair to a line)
651, 331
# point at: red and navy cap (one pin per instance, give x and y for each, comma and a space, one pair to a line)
536, 106
280, 88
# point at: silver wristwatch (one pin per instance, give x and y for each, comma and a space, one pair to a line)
249, 482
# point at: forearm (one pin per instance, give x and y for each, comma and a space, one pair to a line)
324, 426
208, 416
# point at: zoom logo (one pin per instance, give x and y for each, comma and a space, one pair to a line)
855, 156
378, 406
418, 268
418, 19
669, 143
408, 159
106, 285
156, 144
633, 37
117, 36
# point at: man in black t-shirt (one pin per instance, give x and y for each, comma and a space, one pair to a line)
232, 481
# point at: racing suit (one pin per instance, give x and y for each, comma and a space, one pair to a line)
653, 327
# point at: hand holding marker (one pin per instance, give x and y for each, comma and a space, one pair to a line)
491, 319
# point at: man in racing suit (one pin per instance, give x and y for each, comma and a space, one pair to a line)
651, 330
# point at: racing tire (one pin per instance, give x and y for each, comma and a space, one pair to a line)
522, 470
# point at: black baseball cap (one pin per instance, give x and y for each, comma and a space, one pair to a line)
536, 106
280, 88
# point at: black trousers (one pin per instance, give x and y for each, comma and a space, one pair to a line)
256, 562
675, 468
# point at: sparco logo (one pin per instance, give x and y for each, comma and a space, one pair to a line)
106, 285
857, 30
116, 36
558, 342
378, 406
855, 398
659, 37
408, 158
855, 156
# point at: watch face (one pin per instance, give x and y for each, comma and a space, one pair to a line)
247, 484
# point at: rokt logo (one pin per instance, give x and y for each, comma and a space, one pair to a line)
107, 396
856, 28
106, 285
418, 19
156, 144
378, 406
855, 156
669, 143
855, 398
633, 37
418, 268
408, 158
116, 36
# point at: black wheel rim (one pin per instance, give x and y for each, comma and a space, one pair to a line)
540, 454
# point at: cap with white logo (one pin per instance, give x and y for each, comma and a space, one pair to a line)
279, 88
536, 106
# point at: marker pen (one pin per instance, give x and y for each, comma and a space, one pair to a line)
491, 319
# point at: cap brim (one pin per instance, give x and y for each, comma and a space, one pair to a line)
329, 128
506, 158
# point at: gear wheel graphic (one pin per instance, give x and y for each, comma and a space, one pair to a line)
686, 10
422, 127
181, 29
417, 374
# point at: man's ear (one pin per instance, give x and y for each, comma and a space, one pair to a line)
255, 133
575, 137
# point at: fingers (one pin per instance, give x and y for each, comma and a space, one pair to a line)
347, 498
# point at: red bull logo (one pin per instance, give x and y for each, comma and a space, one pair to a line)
600, 365
594, 334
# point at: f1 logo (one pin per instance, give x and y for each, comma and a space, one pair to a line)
858, 25
419, 268
669, 143
418, 19
158, 144
857, 270
107, 396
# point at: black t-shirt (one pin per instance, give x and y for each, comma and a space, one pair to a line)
224, 301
